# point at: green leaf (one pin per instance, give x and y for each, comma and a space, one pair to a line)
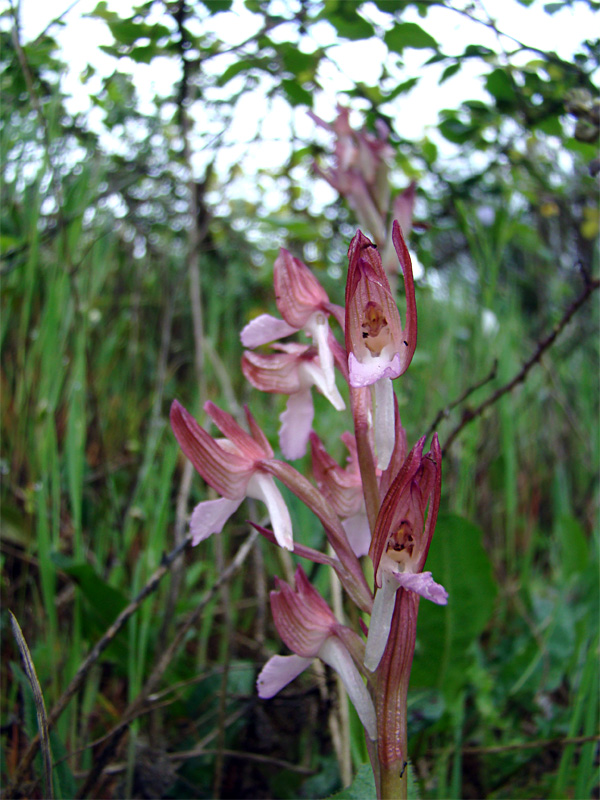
363, 786
296, 94
235, 69
408, 34
551, 126
500, 85
445, 634
295, 60
573, 552
430, 151
64, 781
552, 8
103, 603
478, 51
456, 131
215, 6
144, 54
403, 87
391, 6
351, 26
449, 72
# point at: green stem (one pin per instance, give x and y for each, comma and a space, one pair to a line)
393, 783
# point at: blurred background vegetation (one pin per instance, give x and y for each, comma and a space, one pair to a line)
128, 271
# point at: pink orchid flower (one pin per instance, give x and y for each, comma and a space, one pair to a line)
401, 542
360, 171
342, 487
292, 371
234, 468
379, 348
304, 305
309, 628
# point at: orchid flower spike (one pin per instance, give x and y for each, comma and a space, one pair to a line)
292, 371
379, 348
342, 487
309, 628
232, 466
401, 541
304, 305
360, 170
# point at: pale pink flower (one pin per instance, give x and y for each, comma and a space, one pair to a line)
342, 487
235, 467
292, 371
401, 541
309, 628
379, 348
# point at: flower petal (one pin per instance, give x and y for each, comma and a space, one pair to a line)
385, 428
422, 583
358, 533
210, 516
296, 423
318, 328
278, 672
364, 373
262, 487
381, 622
264, 329
335, 654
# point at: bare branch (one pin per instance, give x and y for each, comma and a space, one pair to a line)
544, 344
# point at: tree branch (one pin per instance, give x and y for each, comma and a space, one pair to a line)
544, 344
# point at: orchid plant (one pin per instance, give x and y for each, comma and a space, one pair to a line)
383, 503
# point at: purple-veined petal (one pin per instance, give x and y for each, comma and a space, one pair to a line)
358, 533
385, 427
334, 653
296, 423
264, 329
381, 621
422, 583
210, 516
278, 672
262, 487
364, 373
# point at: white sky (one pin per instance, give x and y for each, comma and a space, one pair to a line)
81, 38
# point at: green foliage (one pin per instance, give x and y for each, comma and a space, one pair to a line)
447, 634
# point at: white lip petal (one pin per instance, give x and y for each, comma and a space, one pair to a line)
317, 376
334, 653
296, 424
278, 672
381, 622
371, 370
318, 328
385, 429
262, 487
210, 516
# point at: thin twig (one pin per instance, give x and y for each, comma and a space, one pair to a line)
163, 663
89, 661
445, 412
544, 344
